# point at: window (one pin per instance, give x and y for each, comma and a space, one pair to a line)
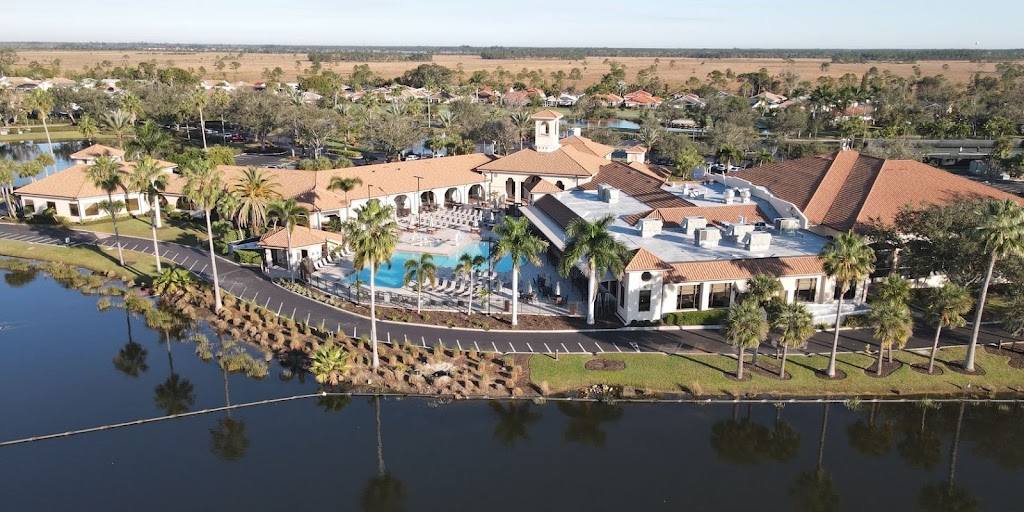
646, 276
133, 204
30, 207
73, 207
688, 297
806, 290
645, 300
92, 210
721, 295
622, 295
850, 294
50, 205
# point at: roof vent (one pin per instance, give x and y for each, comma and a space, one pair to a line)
757, 241
707, 237
730, 195
745, 195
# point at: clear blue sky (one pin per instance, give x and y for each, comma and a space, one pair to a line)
650, 23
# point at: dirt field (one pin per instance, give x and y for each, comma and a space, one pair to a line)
252, 65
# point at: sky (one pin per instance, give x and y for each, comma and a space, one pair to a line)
647, 24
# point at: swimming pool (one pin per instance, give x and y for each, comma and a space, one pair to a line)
393, 277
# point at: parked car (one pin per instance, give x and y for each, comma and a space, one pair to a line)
236, 138
411, 156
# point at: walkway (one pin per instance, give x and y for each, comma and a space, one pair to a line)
249, 284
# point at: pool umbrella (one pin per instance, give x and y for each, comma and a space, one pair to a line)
558, 288
529, 286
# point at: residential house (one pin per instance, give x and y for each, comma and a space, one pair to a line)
641, 99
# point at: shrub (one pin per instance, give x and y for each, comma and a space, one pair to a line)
708, 317
248, 257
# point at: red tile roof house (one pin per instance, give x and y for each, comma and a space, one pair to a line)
641, 99
695, 245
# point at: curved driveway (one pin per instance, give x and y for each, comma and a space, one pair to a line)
250, 284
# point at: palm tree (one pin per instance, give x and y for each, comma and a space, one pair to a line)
203, 188
946, 308
728, 153
8, 171
288, 213
171, 281
105, 173
420, 270
894, 290
254, 190
847, 259
516, 241
197, 100
88, 128
745, 327
374, 244
329, 364
447, 120
762, 288
795, 325
892, 326
42, 102
131, 104
1001, 234
649, 137
346, 185
45, 160
521, 121
592, 243
468, 265
150, 140
149, 179
120, 123
761, 157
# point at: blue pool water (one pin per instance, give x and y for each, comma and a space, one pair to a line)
392, 277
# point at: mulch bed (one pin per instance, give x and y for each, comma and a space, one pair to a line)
606, 365
887, 368
767, 370
923, 368
1016, 356
956, 366
840, 375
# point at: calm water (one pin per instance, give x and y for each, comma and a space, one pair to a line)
22, 151
59, 375
394, 276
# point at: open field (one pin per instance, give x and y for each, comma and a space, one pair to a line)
253, 64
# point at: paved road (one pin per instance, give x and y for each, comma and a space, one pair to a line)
250, 284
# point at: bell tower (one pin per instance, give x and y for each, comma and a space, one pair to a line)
545, 130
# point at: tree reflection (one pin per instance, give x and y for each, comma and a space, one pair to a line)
814, 490
175, 395
228, 441
872, 438
383, 492
131, 359
333, 403
294, 366
514, 419
739, 441
585, 419
783, 440
920, 447
947, 496
19, 278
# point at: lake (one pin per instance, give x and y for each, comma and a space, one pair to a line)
22, 151
62, 368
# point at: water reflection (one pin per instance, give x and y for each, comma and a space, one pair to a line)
814, 490
19, 278
383, 492
585, 419
514, 420
25, 151
746, 442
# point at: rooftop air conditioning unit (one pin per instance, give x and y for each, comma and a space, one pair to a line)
692, 224
649, 227
602, 191
707, 237
737, 231
611, 195
787, 224
757, 241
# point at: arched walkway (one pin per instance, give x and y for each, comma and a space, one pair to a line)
427, 200
452, 196
525, 193
402, 205
476, 194
510, 188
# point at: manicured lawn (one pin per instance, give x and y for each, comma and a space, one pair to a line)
706, 374
140, 267
40, 136
182, 232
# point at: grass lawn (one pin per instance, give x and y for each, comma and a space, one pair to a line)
140, 267
182, 232
706, 375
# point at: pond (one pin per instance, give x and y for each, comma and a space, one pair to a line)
66, 365
23, 151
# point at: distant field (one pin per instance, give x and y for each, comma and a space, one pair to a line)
252, 65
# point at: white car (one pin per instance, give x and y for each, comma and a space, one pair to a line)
411, 157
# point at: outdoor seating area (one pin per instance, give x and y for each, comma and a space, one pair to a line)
457, 217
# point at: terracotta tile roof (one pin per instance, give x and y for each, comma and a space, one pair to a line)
744, 269
585, 145
565, 161
95, 151
609, 97
636, 149
547, 114
645, 260
558, 212
639, 185
72, 183
846, 188
302, 236
543, 187
673, 217
309, 188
